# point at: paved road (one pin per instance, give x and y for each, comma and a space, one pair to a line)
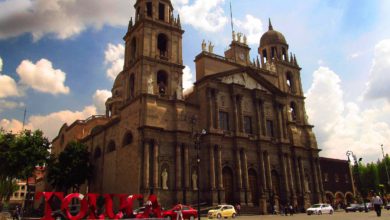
335, 216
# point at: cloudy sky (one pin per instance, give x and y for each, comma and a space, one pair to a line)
58, 59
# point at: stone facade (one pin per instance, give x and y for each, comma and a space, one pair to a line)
259, 148
338, 182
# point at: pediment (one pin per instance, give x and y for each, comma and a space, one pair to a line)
243, 79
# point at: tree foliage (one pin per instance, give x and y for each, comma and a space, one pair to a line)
373, 176
19, 155
71, 169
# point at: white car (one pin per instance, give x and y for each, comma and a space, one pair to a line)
320, 209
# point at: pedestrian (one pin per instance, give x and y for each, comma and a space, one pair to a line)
16, 214
377, 202
179, 213
238, 208
285, 210
291, 210
275, 210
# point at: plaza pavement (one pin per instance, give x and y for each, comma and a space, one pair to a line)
335, 216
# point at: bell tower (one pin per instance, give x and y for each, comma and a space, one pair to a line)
153, 54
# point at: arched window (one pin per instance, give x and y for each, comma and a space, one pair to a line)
133, 51
111, 146
131, 85
284, 54
162, 45
97, 153
290, 82
161, 11
293, 111
264, 55
273, 52
162, 82
127, 139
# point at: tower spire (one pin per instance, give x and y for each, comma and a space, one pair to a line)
270, 25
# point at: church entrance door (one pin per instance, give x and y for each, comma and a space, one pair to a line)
228, 185
254, 187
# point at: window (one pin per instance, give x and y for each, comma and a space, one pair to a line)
162, 45
336, 178
293, 112
273, 52
23, 187
326, 177
270, 128
224, 121
97, 153
248, 124
131, 85
290, 82
162, 81
149, 9
21, 194
161, 11
16, 194
133, 50
111, 146
265, 55
127, 139
284, 54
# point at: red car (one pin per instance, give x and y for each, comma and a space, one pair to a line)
188, 213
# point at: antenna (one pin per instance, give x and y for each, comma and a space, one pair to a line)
231, 18
24, 117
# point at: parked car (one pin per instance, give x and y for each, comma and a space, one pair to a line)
220, 211
187, 211
320, 209
355, 208
387, 206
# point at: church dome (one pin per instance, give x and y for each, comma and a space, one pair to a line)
272, 37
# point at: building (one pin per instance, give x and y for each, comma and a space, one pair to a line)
259, 149
338, 182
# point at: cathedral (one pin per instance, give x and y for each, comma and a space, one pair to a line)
240, 135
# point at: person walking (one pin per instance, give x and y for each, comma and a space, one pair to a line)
179, 213
377, 202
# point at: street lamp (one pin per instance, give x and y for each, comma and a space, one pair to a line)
196, 138
357, 175
387, 173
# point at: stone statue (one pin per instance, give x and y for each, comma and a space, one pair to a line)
194, 181
234, 36
306, 184
204, 45
245, 39
239, 37
150, 85
164, 178
211, 47
179, 91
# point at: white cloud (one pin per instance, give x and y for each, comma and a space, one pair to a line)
179, 2
42, 77
62, 18
114, 58
341, 126
51, 123
204, 15
188, 78
379, 81
252, 27
5, 104
8, 85
99, 100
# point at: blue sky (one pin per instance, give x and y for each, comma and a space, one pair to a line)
59, 58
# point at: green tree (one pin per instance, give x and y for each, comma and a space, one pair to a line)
71, 169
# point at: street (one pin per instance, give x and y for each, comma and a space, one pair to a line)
336, 215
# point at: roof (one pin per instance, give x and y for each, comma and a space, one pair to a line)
272, 37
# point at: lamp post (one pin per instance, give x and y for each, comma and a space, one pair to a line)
387, 172
357, 175
196, 138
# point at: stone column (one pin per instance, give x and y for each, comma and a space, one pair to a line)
291, 175
210, 121
240, 114
285, 174
212, 168
246, 178
302, 174
297, 175
155, 165
256, 103
238, 169
146, 166
215, 100
263, 173
220, 176
262, 117
186, 168
178, 172
280, 123
268, 169
235, 114
319, 177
